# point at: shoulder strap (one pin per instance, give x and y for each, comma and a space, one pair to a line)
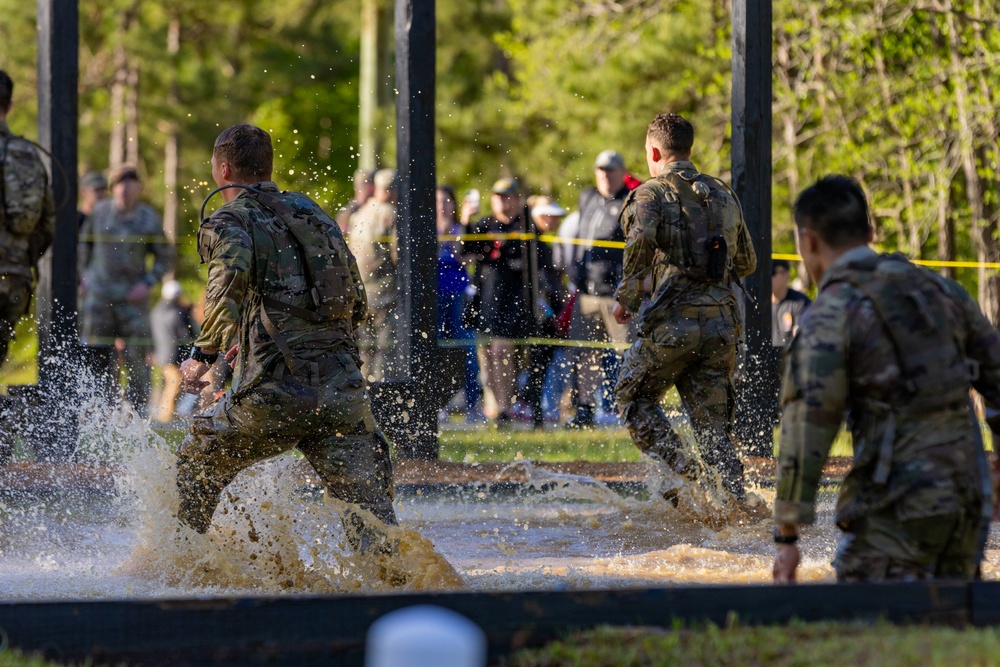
285, 213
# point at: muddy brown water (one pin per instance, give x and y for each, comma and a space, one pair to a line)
276, 532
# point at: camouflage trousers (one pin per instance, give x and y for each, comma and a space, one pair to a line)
883, 548
330, 422
15, 298
104, 322
694, 350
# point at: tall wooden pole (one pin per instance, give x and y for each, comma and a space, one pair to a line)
752, 182
417, 235
58, 75
368, 84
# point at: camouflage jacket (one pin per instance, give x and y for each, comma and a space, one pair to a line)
373, 242
651, 220
843, 361
113, 248
241, 272
27, 226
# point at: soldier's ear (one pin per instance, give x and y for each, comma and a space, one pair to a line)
657, 156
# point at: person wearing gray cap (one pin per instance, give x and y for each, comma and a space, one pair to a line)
115, 242
594, 273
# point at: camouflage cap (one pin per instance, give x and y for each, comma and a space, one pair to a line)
94, 180
609, 160
124, 172
506, 186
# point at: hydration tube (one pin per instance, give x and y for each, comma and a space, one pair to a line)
214, 192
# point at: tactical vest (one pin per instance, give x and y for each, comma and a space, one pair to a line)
703, 254
324, 258
23, 190
913, 307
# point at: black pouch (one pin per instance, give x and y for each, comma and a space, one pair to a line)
717, 252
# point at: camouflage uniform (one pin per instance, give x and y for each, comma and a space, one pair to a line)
27, 226
373, 242
897, 348
297, 381
687, 333
111, 257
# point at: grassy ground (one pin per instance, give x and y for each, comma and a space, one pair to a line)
602, 444
794, 645
17, 659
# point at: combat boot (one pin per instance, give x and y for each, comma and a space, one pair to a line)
584, 418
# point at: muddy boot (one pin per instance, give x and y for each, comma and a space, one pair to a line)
584, 418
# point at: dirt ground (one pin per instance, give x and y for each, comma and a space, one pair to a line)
39, 477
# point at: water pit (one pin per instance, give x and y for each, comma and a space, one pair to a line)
110, 533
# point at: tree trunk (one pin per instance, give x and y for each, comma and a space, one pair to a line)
171, 156
988, 249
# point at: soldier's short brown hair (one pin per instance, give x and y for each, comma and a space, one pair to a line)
6, 90
248, 150
836, 209
672, 132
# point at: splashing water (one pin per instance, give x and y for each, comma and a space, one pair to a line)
277, 532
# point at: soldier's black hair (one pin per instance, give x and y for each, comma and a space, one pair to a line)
836, 209
672, 132
248, 150
6, 91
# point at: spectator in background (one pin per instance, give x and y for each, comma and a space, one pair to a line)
453, 283
787, 307
93, 188
594, 273
549, 294
174, 331
787, 304
364, 188
373, 242
117, 238
503, 297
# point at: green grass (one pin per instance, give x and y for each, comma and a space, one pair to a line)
18, 659
600, 445
794, 645
21, 366
488, 444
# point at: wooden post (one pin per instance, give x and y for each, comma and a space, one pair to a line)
417, 234
58, 74
368, 83
752, 182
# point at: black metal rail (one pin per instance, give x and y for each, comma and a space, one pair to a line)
330, 630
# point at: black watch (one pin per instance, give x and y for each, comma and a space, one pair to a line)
204, 357
785, 539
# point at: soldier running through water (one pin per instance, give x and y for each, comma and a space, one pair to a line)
285, 289
684, 231
27, 226
897, 348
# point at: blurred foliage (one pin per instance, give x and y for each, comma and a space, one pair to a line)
901, 95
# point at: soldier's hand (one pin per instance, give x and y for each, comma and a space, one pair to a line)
191, 374
786, 561
621, 315
139, 293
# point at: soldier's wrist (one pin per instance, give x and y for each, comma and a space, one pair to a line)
203, 357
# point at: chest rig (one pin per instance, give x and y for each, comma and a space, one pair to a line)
704, 252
